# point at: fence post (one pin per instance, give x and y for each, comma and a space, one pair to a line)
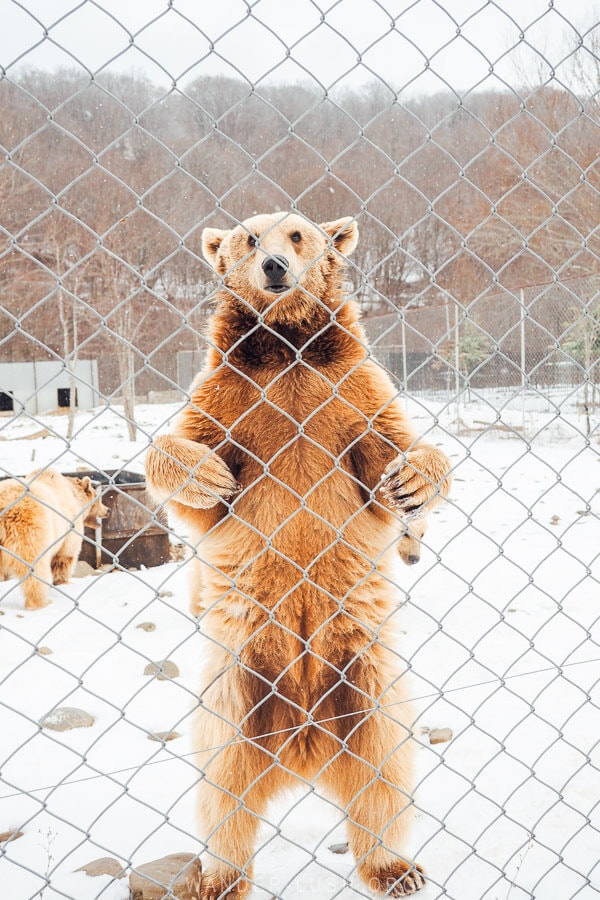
456, 361
404, 367
523, 358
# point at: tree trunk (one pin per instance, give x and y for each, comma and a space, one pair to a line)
127, 370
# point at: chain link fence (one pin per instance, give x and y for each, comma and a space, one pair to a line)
462, 139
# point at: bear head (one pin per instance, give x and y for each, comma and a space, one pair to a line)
409, 544
279, 264
93, 508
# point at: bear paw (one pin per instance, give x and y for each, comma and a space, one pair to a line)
413, 480
219, 887
398, 880
188, 472
213, 481
37, 602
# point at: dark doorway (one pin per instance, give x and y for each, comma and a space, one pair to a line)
64, 398
7, 401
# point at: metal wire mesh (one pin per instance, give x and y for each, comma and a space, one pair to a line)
462, 138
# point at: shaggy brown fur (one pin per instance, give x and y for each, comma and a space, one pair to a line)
292, 467
41, 529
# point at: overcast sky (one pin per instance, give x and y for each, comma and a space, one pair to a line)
418, 45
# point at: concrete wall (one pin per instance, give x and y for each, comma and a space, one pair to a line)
35, 386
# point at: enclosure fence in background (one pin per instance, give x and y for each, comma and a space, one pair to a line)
462, 138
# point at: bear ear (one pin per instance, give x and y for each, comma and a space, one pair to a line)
343, 234
212, 238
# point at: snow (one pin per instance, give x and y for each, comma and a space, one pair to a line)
500, 630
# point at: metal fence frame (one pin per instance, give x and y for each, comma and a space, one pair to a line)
525, 352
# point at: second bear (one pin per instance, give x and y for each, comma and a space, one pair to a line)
41, 529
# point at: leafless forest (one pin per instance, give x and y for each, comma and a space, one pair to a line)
106, 187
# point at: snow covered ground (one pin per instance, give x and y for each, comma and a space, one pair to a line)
500, 630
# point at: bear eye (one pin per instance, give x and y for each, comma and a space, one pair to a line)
252, 241
296, 237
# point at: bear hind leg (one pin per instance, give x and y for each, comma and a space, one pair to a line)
232, 801
36, 579
372, 782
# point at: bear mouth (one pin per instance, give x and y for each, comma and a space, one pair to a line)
277, 288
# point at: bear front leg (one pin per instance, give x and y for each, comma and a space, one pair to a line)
416, 480
62, 568
188, 472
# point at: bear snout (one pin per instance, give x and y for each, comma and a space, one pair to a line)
409, 548
276, 268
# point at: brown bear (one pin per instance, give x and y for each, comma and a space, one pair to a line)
411, 539
295, 470
42, 518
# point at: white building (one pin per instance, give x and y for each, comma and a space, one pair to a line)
44, 385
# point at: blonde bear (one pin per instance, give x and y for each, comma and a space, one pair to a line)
41, 529
295, 471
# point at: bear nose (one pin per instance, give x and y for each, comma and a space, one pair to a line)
413, 558
275, 267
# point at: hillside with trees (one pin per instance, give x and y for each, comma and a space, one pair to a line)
107, 184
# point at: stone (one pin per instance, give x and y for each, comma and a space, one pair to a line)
181, 873
10, 836
83, 569
339, 848
440, 735
164, 736
165, 668
65, 718
105, 865
179, 552
147, 626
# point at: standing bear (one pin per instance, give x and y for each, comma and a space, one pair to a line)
295, 471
